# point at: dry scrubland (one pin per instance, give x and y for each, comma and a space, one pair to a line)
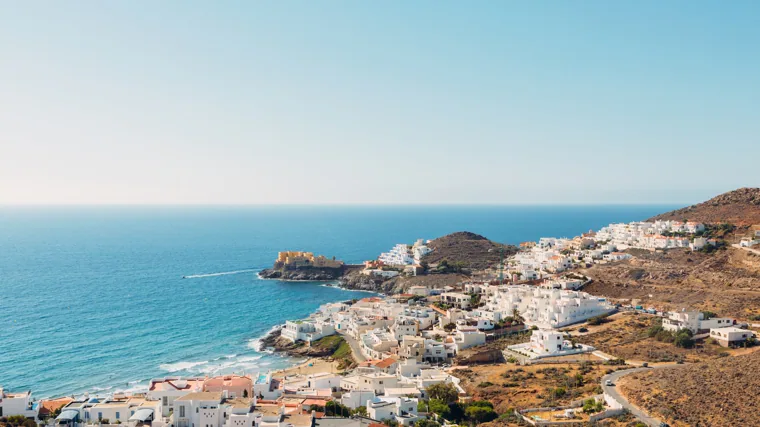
726, 281
722, 392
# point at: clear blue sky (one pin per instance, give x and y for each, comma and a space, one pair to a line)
377, 102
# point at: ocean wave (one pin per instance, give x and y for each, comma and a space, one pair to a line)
181, 366
224, 273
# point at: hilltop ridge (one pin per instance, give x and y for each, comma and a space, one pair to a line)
472, 250
740, 207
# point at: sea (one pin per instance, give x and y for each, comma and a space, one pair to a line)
101, 299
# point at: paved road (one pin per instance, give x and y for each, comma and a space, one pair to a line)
613, 391
355, 349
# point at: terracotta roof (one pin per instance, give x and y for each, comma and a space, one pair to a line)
385, 363
49, 406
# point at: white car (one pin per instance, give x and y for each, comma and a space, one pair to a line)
608, 383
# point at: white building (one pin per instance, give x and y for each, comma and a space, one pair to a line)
374, 381
377, 344
617, 256
547, 308
456, 299
357, 398
404, 326
694, 321
548, 343
307, 330
468, 336
731, 336
198, 409
398, 255
16, 404
401, 409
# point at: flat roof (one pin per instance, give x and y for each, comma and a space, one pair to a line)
202, 395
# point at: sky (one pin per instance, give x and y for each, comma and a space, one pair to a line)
394, 102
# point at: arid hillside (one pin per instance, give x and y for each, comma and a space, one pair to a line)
726, 281
473, 251
739, 207
717, 393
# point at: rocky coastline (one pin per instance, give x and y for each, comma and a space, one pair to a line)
308, 274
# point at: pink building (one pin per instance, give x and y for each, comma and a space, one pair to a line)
234, 385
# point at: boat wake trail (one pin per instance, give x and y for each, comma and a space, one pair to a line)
224, 273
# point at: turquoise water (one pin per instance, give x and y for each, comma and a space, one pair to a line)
92, 298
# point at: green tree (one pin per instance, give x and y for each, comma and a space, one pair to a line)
449, 327
445, 392
362, 410
439, 407
591, 405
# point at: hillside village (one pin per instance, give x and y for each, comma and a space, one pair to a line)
521, 341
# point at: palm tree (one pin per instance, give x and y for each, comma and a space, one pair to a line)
516, 316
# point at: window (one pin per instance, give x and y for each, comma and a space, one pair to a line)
182, 411
117, 415
100, 415
165, 401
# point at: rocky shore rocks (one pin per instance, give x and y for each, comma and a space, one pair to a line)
303, 274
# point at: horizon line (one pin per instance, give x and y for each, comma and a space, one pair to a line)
368, 204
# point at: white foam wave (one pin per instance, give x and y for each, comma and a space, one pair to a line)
181, 366
224, 273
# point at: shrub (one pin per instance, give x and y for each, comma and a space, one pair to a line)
480, 414
485, 384
597, 320
583, 329
591, 406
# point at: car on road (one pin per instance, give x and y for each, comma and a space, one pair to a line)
608, 383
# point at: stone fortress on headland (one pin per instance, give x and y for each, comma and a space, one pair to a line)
293, 260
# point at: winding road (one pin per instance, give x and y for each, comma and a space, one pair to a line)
355, 349
633, 409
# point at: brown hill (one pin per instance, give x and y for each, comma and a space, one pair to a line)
738, 207
474, 251
721, 392
726, 281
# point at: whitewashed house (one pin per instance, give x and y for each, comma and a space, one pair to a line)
307, 330
198, 409
468, 336
731, 336
694, 321
404, 326
456, 299
377, 344
16, 404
